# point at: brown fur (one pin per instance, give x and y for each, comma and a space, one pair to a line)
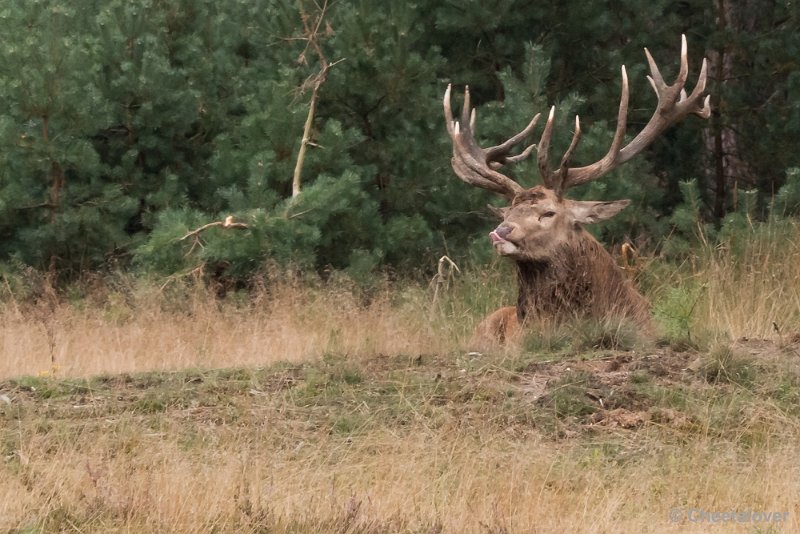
500, 326
581, 280
562, 271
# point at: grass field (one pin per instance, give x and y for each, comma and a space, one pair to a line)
606, 441
310, 408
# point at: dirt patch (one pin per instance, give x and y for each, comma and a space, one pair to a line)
626, 390
618, 417
616, 369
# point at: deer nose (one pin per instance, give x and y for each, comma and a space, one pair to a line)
503, 230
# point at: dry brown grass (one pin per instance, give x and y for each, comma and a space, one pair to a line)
747, 286
145, 329
742, 289
396, 447
373, 419
465, 480
751, 284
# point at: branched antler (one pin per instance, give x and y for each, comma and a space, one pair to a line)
479, 166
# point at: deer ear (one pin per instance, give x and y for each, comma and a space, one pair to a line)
500, 213
587, 212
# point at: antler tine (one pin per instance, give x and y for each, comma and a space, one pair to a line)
466, 110
622, 115
701, 79
683, 73
448, 112
522, 155
544, 151
673, 105
703, 111
470, 162
608, 161
655, 78
563, 168
500, 151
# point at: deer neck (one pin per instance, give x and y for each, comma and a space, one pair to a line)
579, 279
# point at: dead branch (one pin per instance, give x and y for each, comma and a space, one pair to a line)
226, 223
311, 30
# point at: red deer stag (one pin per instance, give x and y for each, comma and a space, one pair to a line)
563, 272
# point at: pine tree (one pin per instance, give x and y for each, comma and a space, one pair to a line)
57, 211
125, 125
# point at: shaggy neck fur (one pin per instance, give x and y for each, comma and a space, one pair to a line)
581, 280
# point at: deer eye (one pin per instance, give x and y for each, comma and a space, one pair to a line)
547, 214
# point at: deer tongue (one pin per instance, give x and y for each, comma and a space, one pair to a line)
495, 237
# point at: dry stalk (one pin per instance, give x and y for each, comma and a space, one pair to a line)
45, 313
12, 298
441, 280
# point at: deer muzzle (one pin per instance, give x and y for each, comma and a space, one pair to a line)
501, 244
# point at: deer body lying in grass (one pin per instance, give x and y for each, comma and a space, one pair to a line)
562, 271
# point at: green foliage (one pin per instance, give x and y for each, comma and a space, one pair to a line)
689, 230
124, 125
755, 220
786, 202
675, 311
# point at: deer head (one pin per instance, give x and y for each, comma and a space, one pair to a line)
541, 229
539, 223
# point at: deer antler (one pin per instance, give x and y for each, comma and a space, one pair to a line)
673, 106
478, 166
